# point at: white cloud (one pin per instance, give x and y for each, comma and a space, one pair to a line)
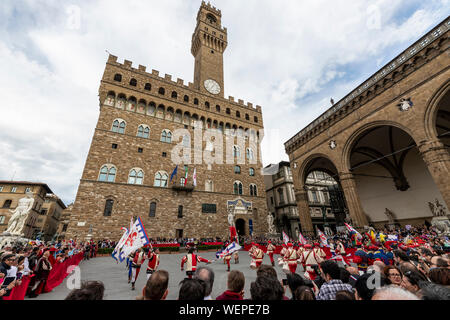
288, 56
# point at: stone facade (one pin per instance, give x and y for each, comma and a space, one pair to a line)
10, 194
141, 100
421, 74
49, 217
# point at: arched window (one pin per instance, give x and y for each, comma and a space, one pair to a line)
252, 172
174, 94
161, 179
107, 173
166, 136
218, 108
228, 111
162, 91
253, 190
207, 106
148, 87
108, 208
196, 101
152, 212
136, 177
256, 119
238, 114
247, 117
143, 131
133, 82
119, 126
237, 170
118, 77
186, 99
237, 188
250, 155
236, 152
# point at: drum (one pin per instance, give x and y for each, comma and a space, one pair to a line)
280, 261
286, 268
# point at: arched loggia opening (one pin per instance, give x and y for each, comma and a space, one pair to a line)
392, 179
325, 197
442, 122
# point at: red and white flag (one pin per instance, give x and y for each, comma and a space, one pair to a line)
323, 238
301, 239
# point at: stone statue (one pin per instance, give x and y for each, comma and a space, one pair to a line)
270, 224
231, 218
437, 209
20, 214
390, 216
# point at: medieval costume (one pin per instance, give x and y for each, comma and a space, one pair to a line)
153, 262
191, 260
270, 250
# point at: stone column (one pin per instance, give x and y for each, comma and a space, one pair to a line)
353, 201
437, 159
304, 213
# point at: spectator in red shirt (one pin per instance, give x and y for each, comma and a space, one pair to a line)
235, 285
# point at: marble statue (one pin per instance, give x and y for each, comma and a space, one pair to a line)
230, 218
20, 215
270, 223
437, 209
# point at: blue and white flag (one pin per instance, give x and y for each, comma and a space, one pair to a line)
136, 239
117, 253
392, 237
233, 247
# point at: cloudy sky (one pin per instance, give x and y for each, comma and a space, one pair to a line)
289, 56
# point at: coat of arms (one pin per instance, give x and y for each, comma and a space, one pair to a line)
405, 104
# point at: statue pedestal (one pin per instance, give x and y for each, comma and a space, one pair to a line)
9, 240
442, 224
273, 235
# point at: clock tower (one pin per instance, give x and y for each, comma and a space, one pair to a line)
209, 42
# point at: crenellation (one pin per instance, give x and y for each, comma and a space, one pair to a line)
180, 82
112, 59
168, 77
155, 73
241, 102
250, 105
231, 98
259, 109
128, 63
142, 68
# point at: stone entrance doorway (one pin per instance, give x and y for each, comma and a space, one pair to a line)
240, 227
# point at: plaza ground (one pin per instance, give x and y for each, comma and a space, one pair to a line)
114, 276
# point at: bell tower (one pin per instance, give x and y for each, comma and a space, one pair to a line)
209, 42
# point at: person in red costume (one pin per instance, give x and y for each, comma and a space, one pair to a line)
191, 260
153, 262
138, 260
257, 256
291, 258
270, 250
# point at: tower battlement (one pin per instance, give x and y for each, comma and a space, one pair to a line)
211, 8
155, 75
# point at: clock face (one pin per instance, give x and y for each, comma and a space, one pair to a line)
212, 86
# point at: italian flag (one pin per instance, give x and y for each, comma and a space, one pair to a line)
186, 176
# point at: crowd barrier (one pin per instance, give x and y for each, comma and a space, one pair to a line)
57, 275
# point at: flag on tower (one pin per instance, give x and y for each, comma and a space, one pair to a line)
186, 175
194, 177
174, 173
